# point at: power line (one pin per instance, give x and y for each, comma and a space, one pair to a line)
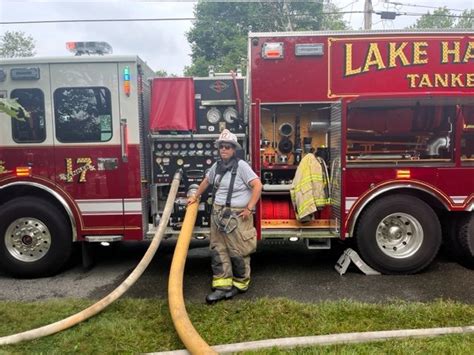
142, 19
434, 15
165, 19
422, 6
98, 20
169, 19
350, 4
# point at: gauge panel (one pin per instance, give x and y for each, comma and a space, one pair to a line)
196, 156
216, 108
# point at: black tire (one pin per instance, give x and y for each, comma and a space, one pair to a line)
407, 241
450, 226
465, 241
35, 238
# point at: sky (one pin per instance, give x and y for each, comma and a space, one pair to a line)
163, 44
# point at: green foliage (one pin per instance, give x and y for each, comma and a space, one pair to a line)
219, 35
443, 18
161, 73
16, 44
467, 20
332, 20
13, 109
144, 325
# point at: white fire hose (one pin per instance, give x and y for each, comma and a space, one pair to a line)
115, 294
331, 339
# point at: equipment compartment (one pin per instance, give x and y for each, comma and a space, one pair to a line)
287, 134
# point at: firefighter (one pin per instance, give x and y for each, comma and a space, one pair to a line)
235, 192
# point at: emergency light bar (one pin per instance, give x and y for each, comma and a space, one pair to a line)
80, 48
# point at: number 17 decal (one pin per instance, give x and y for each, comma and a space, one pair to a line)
85, 164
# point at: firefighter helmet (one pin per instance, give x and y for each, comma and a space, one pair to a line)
228, 137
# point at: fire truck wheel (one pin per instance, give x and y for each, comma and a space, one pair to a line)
465, 239
398, 235
35, 238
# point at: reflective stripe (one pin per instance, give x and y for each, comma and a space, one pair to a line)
222, 282
311, 200
90, 207
309, 179
108, 206
241, 285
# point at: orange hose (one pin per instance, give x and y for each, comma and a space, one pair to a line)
188, 335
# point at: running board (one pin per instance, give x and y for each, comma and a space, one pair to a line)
103, 238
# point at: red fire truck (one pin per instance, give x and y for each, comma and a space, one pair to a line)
389, 115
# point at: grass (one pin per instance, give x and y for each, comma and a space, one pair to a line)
144, 325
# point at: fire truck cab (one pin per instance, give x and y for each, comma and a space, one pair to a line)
70, 167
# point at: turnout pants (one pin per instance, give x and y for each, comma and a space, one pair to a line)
230, 252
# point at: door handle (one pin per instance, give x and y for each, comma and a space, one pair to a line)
124, 139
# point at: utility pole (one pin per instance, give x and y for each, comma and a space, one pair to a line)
286, 10
368, 9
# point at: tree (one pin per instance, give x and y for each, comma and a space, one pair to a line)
466, 20
161, 73
219, 35
442, 18
16, 44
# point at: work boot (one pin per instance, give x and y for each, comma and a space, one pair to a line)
216, 296
234, 291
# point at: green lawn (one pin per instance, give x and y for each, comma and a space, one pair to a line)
132, 325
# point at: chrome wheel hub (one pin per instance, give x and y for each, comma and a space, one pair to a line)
27, 239
399, 235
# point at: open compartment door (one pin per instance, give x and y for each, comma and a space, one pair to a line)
336, 167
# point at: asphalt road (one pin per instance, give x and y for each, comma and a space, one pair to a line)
289, 271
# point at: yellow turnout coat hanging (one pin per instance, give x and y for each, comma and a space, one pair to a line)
308, 191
